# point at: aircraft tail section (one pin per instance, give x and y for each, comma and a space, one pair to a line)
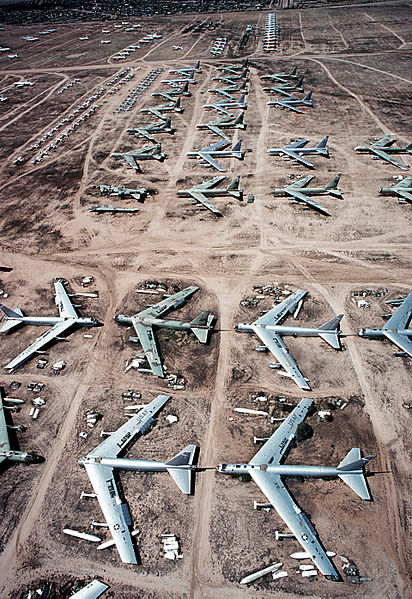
332, 330
293, 71
234, 186
333, 183
183, 477
13, 318
409, 147
201, 326
352, 472
322, 146
238, 146
308, 97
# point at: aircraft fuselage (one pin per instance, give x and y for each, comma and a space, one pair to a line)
283, 470
377, 333
21, 456
283, 330
139, 465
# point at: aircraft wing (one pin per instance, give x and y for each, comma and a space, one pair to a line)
274, 449
300, 183
297, 144
382, 154
296, 520
138, 424
401, 317
209, 184
4, 436
170, 303
279, 312
297, 157
406, 183
217, 131
382, 142
219, 145
145, 134
402, 341
57, 330
148, 343
131, 160
306, 200
199, 197
116, 512
66, 309
208, 158
279, 349
406, 195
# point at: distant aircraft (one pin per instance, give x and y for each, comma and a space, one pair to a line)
165, 126
178, 90
296, 150
177, 47
228, 90
122, 192
22, 83
291, 102
174, 82
266, 470
284, 89
230, 104
67, 319
86, 37
301, 197
233, 68
395, 329
270, 332
201, 193
146, 153
158, 110
111, 209
224, 122
282, 76
383, 148
105, 41
233, 77
402, 189
6, 453
217, 150
187, 70
101, 462
145, 321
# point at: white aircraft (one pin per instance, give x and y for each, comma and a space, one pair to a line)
6, 453
270, 332
59, 324
101, 462
266, 470
23, 83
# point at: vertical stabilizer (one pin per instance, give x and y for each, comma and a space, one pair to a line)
331, 331
352, 472
183, 477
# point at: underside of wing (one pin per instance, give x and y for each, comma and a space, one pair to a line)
115, 511
274, 449
402, 341
279, 312
66, 309
40, 342
148, 343
307, 201
401, 317
211, 161
278, 348
199, 197
387, 157
138, 424
296, 520
4, 436
298, 158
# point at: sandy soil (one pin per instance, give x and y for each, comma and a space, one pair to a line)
361, 90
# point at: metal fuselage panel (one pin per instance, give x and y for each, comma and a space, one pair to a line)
283, 330
377, 333
282, 470
137, 465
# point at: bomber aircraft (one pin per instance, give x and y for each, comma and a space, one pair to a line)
145, 321
395, 329
67, 319
382, 148
182, 90
187, 70
282, 76
201, 193
101, 463
111, 209
299, 192
217, 150
402, 189
230, 104
146, 153
284, 89
291, 102
233, 68
161, 108
122, 192
224, 122
266, 471
233, 77
296, 150
6, 453
228, 90
165, 126
270, 332
189, 78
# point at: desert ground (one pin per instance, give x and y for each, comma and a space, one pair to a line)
357, 62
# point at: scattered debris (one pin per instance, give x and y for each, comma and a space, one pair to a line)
171, 547
35, 387
87, 281
171, 419
131, 395
92, 418
15, 385
256, 575
42, 363
58, 367
39, 401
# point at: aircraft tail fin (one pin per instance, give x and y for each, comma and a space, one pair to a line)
238, 146
332, 330
333, 183
13, 318
201, 326
308, 96
299, 83
352, 472
183, 477
241, 99
234, 186
293, 71
409, 146
321, 147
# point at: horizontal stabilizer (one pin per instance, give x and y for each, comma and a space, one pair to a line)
352, 472
11, 323
332, 330
201, 326
183, 477
10, 314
